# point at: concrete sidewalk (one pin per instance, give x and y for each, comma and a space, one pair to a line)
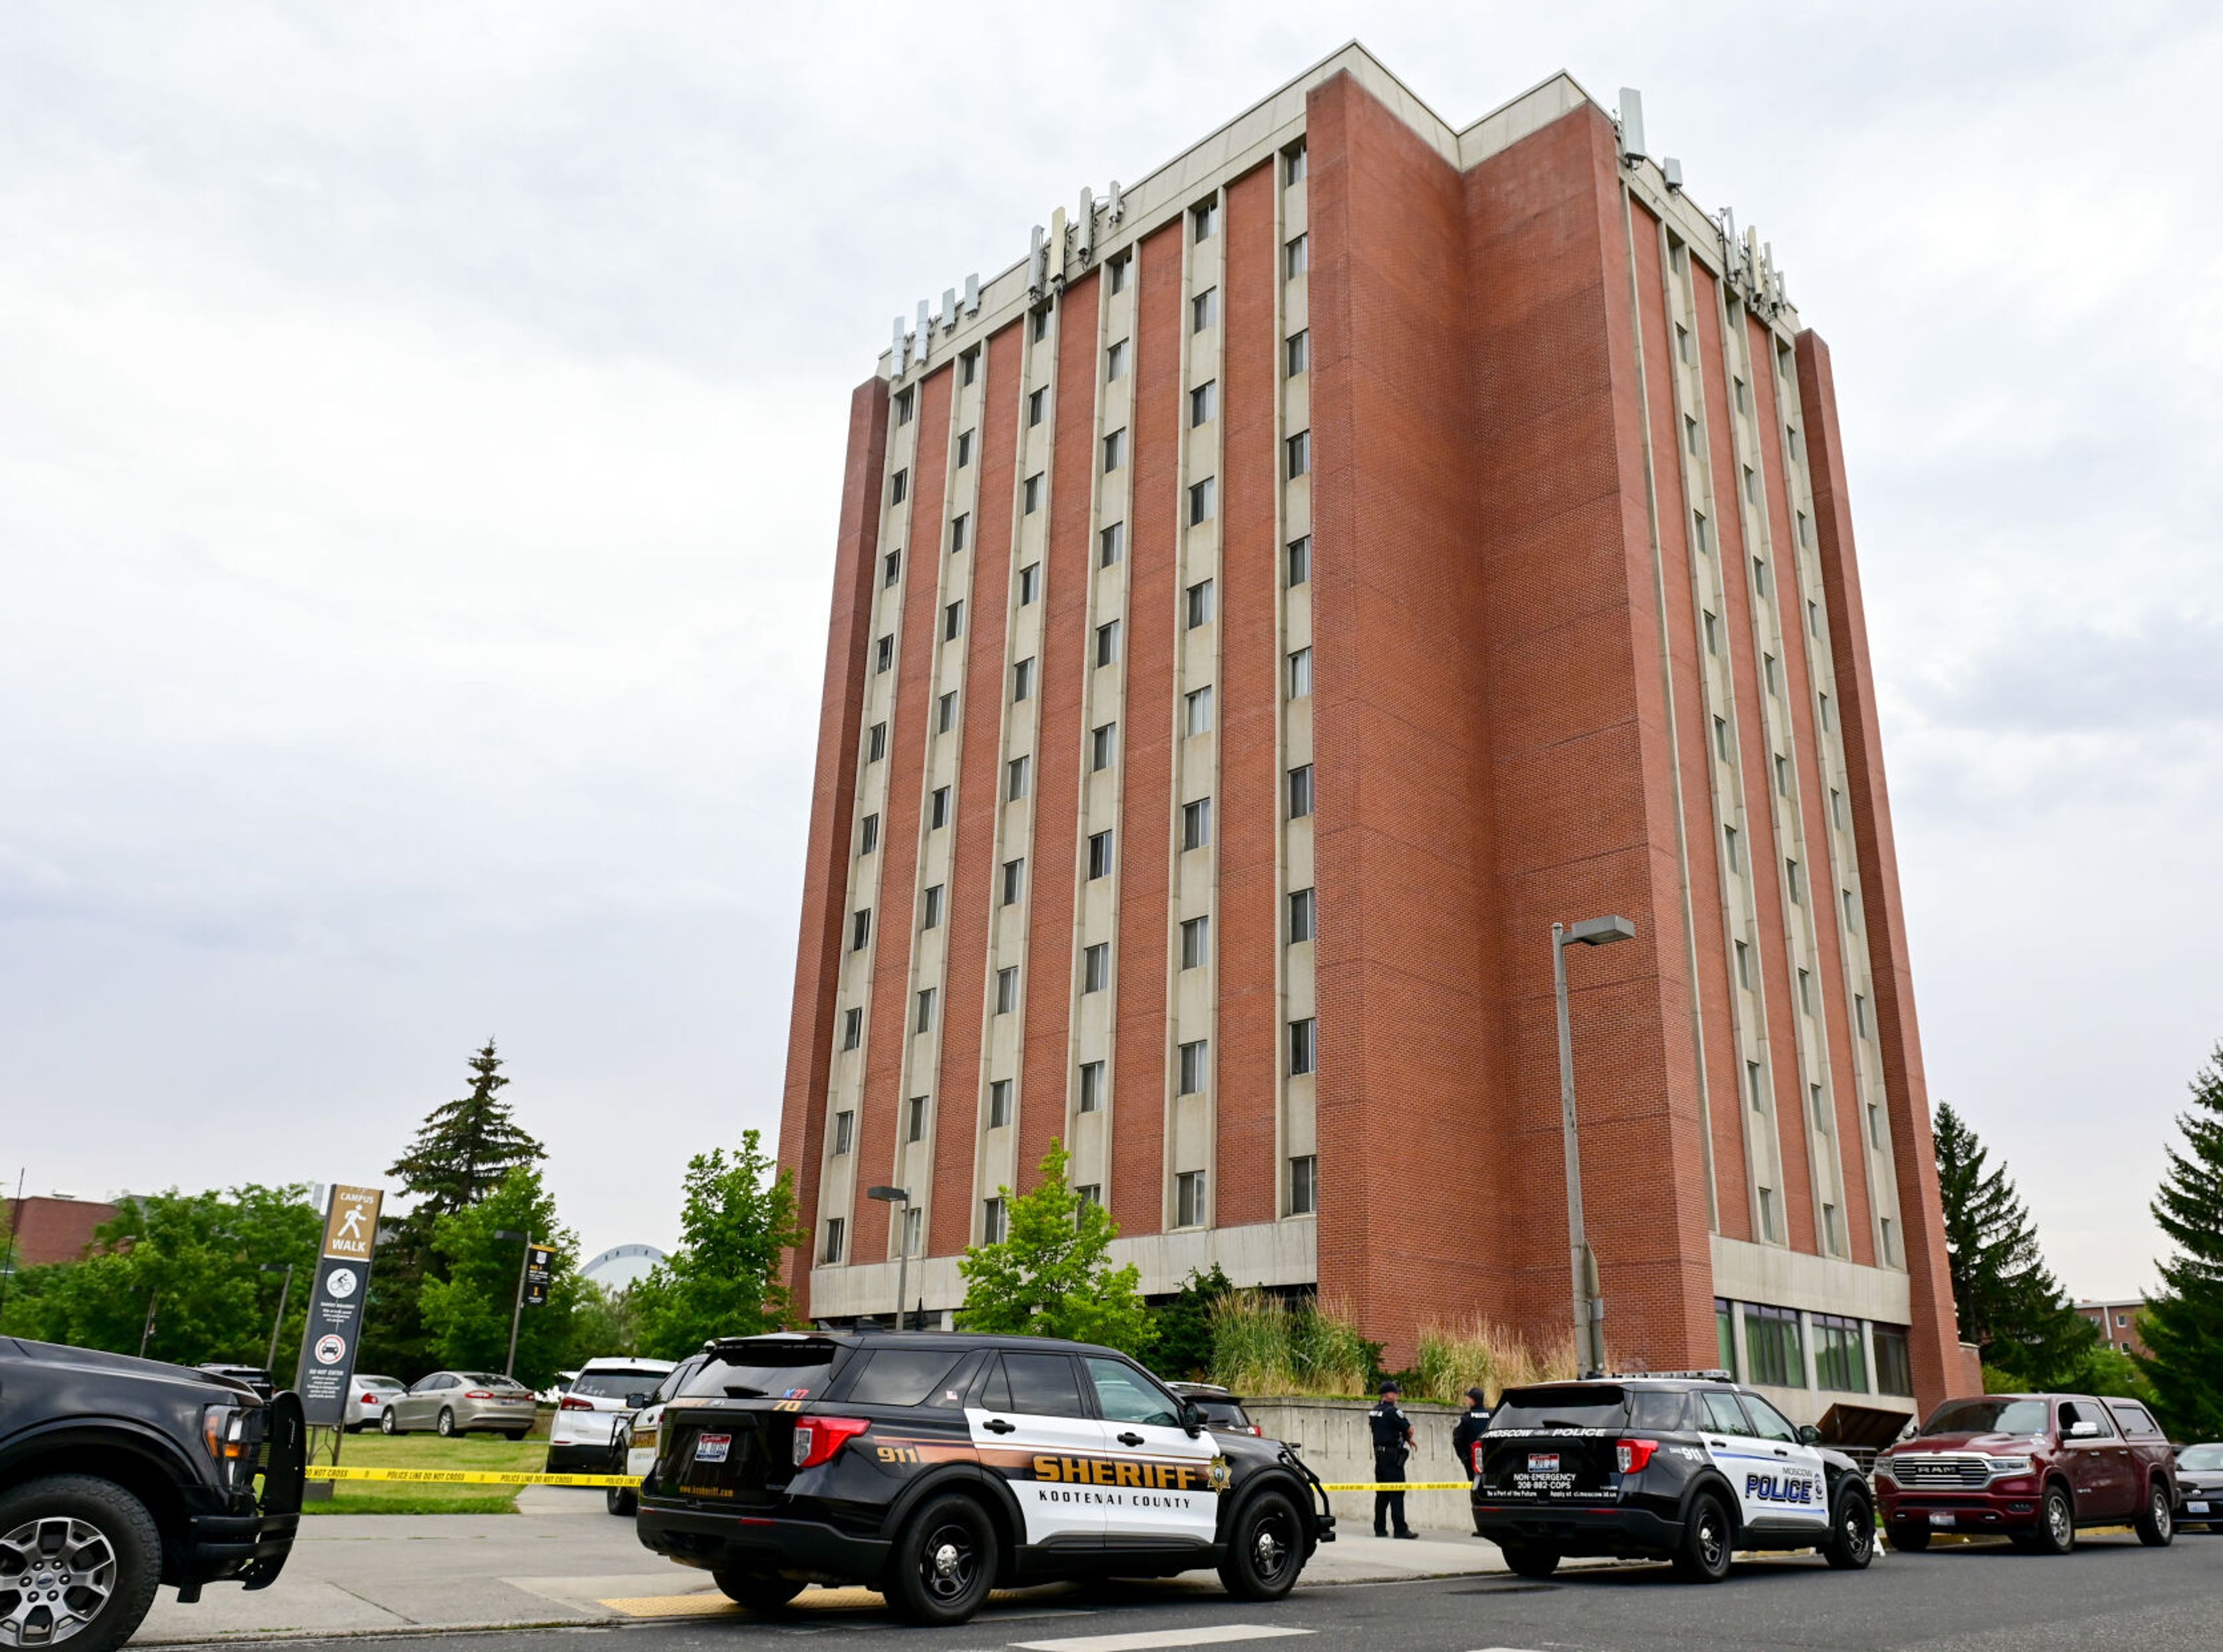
561, 1559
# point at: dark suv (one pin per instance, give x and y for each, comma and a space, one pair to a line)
936, 1468
116, 1475
1686, 1469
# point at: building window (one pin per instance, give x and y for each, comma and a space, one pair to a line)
1852, 912
1783, 774
1103, 747
945, 713
1297, 352
931, 917
1115, 450
1194, 1067
1773, 1346
1836, 797
1099, 854
939, 802
1196, 712
1015, 778
1096, 967
1299, 449
1029, 584
1300, 1047
1824, 700
845, 1130
860, 930
915, 1119
1894, 1360
968, 365
1876, 1125
1022, 681
1091, 1086
853, 1028
1007, 989
1702, 531
1304, 1185
1770, 672
1805, 993
1293, 165
1751, 484
1204, 220
1196, 824
891, 568
1683, 343
1030, 493
1756, 1083
876, 743
899, 487
1713, 633
1724, 1323
1760, 575
1840, 1363
1015, 881
1116, 271
1037, 406
1296, 256
1188, 1199
953, 621
1860, 1015
1089, 1193
1110, 544
961, 527
1196, 942
1203, 500
1767, 1213
1300, 560
1691, 433
1792, 878
883, 655
1743, 393
1301, 673
1833, 1235
1303, 915
1041, 328
1729, 850
1821, 1109
1744, 966
923, 1020
1889, 1248
1204, 310
914, 1229
999, 1102
836, 1230
1814, 620
1722, 738
1300, 792
1115, 360
1204, 404
1107, 643
868, 835
964, 448
992, 1222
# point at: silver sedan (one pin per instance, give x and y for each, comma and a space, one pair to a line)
368, 1400
458, 1402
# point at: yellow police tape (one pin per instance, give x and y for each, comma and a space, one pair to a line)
1397, 1485
466, 1477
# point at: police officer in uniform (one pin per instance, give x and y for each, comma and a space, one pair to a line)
1469, 1429
1393, 1444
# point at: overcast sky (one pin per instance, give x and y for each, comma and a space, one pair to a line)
420, 439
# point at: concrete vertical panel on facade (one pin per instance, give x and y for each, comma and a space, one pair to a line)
972, 857
1247, 1052
1066, 659
1939, 1369
1146, 737
903, 823
833, 797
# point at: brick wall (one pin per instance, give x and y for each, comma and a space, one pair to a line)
51, 1230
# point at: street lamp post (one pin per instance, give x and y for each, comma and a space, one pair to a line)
1589, 1302
270, 1357
516, 1308
900, 1197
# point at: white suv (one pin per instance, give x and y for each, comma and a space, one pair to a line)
579, 1433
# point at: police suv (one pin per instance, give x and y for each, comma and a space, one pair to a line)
1685, 1466
936, 1468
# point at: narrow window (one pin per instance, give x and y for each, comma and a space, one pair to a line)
1824, 699
1022, 681
1293, 165
1196, 712
1752, 485
1300, 1047
1713, 634
1702, 531
1805, 993
1037, 406
964, 448
1007, 989
1089, 1193
930, 917
1297, 352
1304, 1185
1813, 619
915, 1119
1722, 737
1760, 575
1300, 560
1204, 219
1302, 913
1091, 1086
1204, 404
1203, 500
1756, 1085
903, 406
1188, 1199
1041, 328
891, 568
992, 1222
960, 528
1743, 395
1296, 256
860, 930
1820, 1108
853, 1028
836, 1232
1729, 849
1744, 966
924, 1022
1029, 584
1103, 747
1767, 1213
1875, 1125
868, 835
1783, 774
1194, 1067
899, 487
914, 1229
953, 621
945, 713
1204, 310
1116, 271
1890, 1250
1099, 854
1836, 807
940, 803
875, 745
1860, 1015
1683, 342
1301, 673
1096, 967
1805, 531
1015, 881
1115, 450
999, 1102
1015, 778
1852, 911
968, 365
1110, 544
1196, 824
1300, 792
1691, 433
1107, 643
1772, 673
1115, 360
845, 1129
1196, 942
1030, 494
883, 655
1300, 453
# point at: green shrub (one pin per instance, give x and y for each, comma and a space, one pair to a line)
1262, 1346
1476, 1353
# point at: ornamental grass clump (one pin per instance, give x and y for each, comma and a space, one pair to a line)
1262, 1346
1477, 1353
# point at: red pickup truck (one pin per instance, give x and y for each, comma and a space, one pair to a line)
2030, 1467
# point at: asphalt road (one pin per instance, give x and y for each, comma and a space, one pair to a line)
2110, 1592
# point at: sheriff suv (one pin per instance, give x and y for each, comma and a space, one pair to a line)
936, 1468
2030, 1467
118, 1474
1685, 1468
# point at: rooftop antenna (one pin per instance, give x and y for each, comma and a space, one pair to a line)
925, 331
1632, 125
1084, 226
1672, 169
973, 294
896, 347
1115, 204
949, 310
1038, 263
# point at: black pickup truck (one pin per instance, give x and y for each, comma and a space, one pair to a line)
118, 1474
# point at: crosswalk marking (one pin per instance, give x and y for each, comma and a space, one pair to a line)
1143, 1641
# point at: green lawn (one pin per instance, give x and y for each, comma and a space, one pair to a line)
476, 1451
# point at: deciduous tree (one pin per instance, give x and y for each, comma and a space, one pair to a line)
1052, 1274
467, 1302
723, 1278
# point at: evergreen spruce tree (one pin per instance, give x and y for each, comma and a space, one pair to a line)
2010, 1305
463, 1152
2184, 1327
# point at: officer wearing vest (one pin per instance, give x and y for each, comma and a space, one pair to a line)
1466, 1435
1393, 1444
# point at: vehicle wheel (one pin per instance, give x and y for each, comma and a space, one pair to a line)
1529, 1560
1266, 1550
386, 1422
944, 1563
2056, 1525
79, 1558
1703, 1555
514, 1434
1852, 1533
447, 1424
2158, 1525
760, 1592
619, 1499
1907, 1540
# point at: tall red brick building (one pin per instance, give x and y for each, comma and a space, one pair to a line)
1256, 619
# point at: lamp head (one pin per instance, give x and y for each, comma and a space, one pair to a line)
1600, 932
889, 1195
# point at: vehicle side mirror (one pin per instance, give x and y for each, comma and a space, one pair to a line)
635, 1402
1192, 1419
1808, 1435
